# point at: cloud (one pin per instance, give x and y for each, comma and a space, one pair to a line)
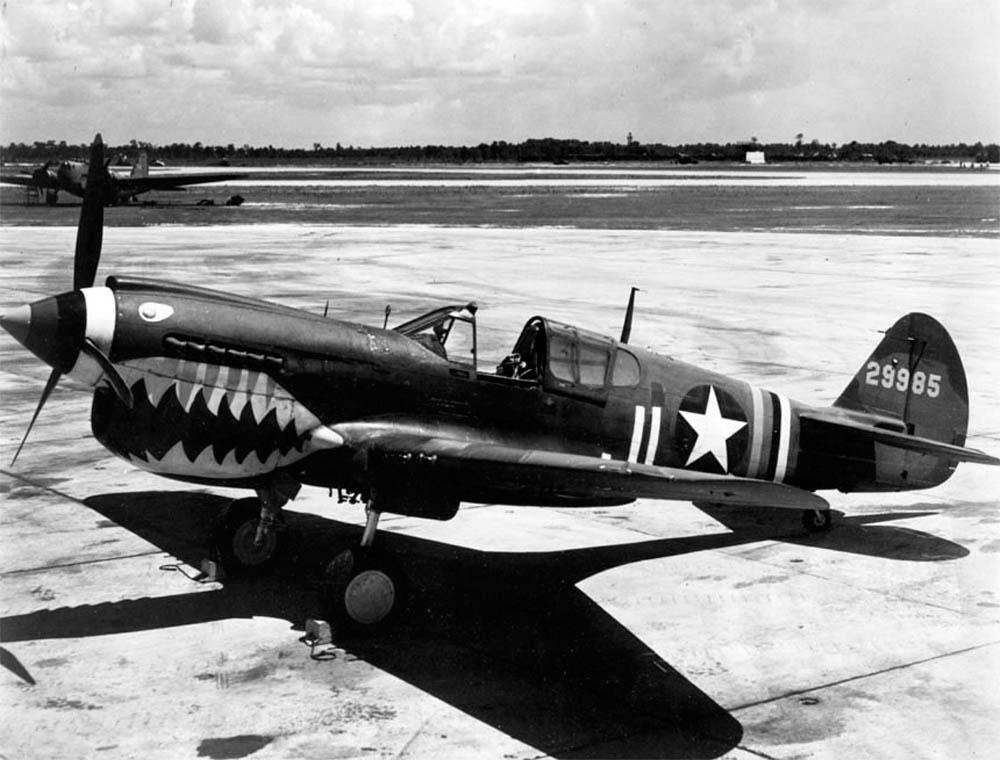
124, 18
216, 23
393, 71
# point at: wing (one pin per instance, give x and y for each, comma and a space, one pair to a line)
172, 181
18, 179
486, 472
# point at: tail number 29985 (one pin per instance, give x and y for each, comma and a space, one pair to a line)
900, 378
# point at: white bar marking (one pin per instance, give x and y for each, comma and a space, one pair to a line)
757, 425
637, 428
784, 438
654, 434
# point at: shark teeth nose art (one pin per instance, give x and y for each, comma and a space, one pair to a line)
237, 387
210, 421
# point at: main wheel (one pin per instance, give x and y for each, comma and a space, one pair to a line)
236, 539
362, 590
817, 520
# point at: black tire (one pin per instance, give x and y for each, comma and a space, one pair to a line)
817, 520
363, 591
234, 540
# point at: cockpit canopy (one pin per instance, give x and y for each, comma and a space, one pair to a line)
562, 358
570, 360
449, 331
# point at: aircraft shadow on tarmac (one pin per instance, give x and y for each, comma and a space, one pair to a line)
503, 637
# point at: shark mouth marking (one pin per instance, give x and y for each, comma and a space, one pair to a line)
206, 421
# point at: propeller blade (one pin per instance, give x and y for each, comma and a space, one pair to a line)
49, 385
90, 231
115, 380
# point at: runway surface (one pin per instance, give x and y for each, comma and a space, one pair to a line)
654, 630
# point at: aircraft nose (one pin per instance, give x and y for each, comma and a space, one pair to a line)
52, 329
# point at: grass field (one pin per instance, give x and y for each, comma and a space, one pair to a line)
895, 203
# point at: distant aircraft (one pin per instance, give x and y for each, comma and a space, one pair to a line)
218, 389
120, 188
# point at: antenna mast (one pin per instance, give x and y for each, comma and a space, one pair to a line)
627, 327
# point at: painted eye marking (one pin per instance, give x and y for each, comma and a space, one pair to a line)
151, 311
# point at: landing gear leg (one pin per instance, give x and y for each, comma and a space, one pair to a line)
247, 536
362, 589
371, 524
817, 520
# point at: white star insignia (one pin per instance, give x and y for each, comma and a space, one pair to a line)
713, 431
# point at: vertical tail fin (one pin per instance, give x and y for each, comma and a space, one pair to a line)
140, 168
914, 375
913, 378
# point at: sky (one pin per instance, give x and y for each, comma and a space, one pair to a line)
460, 72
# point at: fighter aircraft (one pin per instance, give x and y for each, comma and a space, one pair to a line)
119, 188
214, 388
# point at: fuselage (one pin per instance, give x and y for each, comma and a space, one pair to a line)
71, 177
117, 186
229, 389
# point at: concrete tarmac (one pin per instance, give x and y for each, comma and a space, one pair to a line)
655, 630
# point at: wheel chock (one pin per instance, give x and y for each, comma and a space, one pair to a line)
319, 639
212, 570
318, 632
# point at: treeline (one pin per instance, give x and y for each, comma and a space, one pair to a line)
547, 150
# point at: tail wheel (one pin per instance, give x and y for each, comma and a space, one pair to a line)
817, 520
363, 590
236, 538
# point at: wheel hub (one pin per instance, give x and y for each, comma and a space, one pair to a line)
369, 597
247, 551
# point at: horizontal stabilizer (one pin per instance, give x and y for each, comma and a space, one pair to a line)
902, 440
